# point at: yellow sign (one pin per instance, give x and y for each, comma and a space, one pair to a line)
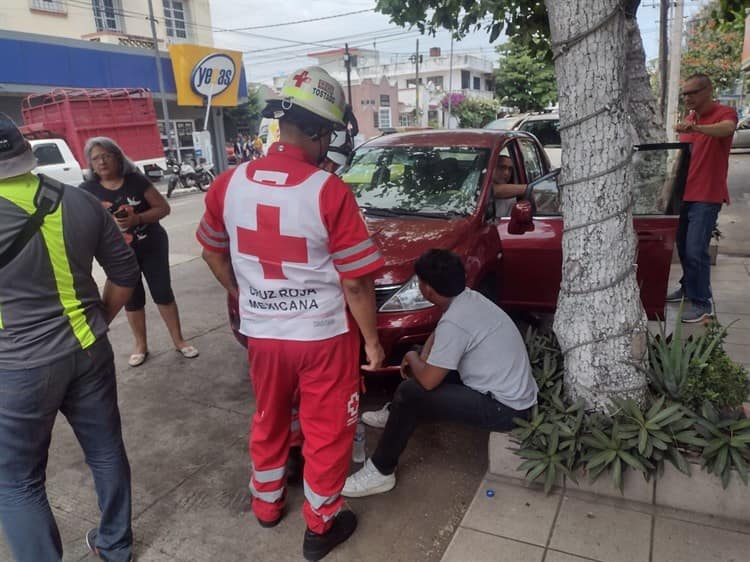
203, 73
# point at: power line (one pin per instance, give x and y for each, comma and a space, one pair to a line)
298, 21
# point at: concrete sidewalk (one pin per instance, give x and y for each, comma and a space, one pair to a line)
520, 524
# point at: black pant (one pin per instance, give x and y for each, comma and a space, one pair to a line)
450, 401
152, 253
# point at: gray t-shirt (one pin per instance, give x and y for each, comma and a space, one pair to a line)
477, 339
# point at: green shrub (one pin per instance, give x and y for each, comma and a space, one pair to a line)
721, 381
691, 411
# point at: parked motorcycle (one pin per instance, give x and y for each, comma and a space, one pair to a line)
185, 174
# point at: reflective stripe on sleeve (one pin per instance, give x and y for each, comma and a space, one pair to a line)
203, 237
352, 250
360, 263
213, 233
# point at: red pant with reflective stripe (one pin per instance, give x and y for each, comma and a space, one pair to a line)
326, 375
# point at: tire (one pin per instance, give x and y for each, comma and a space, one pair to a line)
171, 185
205, 179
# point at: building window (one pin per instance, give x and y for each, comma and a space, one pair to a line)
385, 100
353, 60
412, 82
404, 119
465, 79
107, 15
54, 6
375, 122
477, 83
174, 19
384, 116
437, 81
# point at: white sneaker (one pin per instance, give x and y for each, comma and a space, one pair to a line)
368, 481
377, 418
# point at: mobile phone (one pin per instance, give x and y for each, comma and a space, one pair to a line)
121, 214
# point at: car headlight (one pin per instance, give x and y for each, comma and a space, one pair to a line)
408, 297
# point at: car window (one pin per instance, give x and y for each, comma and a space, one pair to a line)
531, 161
48, 154
546, 130
654, 169
418, 179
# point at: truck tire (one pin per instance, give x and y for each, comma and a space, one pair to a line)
205, 179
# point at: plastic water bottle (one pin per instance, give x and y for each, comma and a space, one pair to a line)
358, 451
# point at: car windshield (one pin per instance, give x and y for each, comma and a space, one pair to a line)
424, 180
546, 130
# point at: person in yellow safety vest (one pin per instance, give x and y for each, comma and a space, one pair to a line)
54, 352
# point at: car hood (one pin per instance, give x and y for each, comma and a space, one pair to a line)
403, 240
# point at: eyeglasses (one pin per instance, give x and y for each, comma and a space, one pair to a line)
103, 157
692, 92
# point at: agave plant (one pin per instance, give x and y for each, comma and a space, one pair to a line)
728, 444
671, 358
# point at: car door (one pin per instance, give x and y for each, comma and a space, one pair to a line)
52, 161
532, 262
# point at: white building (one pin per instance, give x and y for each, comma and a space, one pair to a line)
119, 22
467, 74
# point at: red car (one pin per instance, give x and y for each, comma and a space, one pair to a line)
432, 189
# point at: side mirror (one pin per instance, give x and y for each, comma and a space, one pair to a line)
521, 218
549, 176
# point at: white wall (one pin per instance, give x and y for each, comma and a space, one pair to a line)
77, 20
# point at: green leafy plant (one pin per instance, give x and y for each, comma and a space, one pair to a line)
721, 381
671, 359
562, 439
727, 444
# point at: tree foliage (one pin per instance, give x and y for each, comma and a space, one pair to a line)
471, 112
713, 49
244, 118
525, 79
522, 19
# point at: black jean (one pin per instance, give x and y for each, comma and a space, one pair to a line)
450, 401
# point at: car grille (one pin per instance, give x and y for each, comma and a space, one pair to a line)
382, 294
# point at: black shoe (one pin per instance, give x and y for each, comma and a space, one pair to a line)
295, 466
316, 547
269, 524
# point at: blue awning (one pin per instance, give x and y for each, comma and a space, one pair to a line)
33, 62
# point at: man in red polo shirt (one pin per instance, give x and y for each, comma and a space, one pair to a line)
709, 126
288, 238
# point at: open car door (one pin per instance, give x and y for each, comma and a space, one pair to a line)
531, 238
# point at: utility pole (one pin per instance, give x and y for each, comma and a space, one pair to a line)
675, 56
416, 60
164, 108
348, 63
663, 56
450, 83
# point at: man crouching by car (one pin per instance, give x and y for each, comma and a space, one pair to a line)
473, 369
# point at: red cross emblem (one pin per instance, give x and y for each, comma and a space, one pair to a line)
268, 244
301, 78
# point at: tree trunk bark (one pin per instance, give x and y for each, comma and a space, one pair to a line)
600, 322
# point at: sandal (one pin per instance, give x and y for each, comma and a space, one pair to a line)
137, 359
188, 352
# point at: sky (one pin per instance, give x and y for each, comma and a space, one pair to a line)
277, 50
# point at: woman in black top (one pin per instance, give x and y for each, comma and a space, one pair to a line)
137, 207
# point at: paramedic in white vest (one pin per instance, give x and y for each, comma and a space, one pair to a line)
289, 240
